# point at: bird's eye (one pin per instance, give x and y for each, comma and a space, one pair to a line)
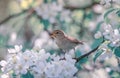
57, 32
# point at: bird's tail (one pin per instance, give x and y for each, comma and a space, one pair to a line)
81, 42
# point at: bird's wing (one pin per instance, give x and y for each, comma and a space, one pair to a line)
75, 40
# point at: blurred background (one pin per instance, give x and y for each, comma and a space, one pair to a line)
29, 22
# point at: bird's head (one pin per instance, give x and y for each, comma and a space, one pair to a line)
57, 34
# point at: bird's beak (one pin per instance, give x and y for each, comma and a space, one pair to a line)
52, 35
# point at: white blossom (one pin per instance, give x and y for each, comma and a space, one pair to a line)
111, 34
4, 76
3, 63
108, 3
61, 68
98, 35
16, 50
50, 12
107, 52
40, 64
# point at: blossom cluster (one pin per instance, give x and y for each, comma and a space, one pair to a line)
106, 51
111, 34
40, 64
108, 3
52, 12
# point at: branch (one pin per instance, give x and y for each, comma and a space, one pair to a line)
118, 61
12, 16
39, 17
86, 7
31, 11
87, 54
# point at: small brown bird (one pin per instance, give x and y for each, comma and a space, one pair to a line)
63, 41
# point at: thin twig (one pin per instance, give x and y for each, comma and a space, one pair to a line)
87, 54
90, 52
118, 61
39, 17
86, 7
12, 16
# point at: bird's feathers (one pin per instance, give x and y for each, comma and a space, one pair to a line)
74, 40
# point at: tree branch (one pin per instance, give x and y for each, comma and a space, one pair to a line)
86, 7
118, 61
12, 16
90, 52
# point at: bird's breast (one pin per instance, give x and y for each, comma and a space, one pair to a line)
65, 44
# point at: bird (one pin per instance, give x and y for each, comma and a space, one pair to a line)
64, 42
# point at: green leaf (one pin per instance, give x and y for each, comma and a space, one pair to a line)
3, 40
45, 23
110, 47
107, 20
89, 15
52, 51
28, 75
49, 59
96, 42
14, 75
79, 66
118, 12
97, 55
99, 26
83, 60
109, 11
77, 54
117, 51
45, 1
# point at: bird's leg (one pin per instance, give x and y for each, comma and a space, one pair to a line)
61, 50
62, 53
